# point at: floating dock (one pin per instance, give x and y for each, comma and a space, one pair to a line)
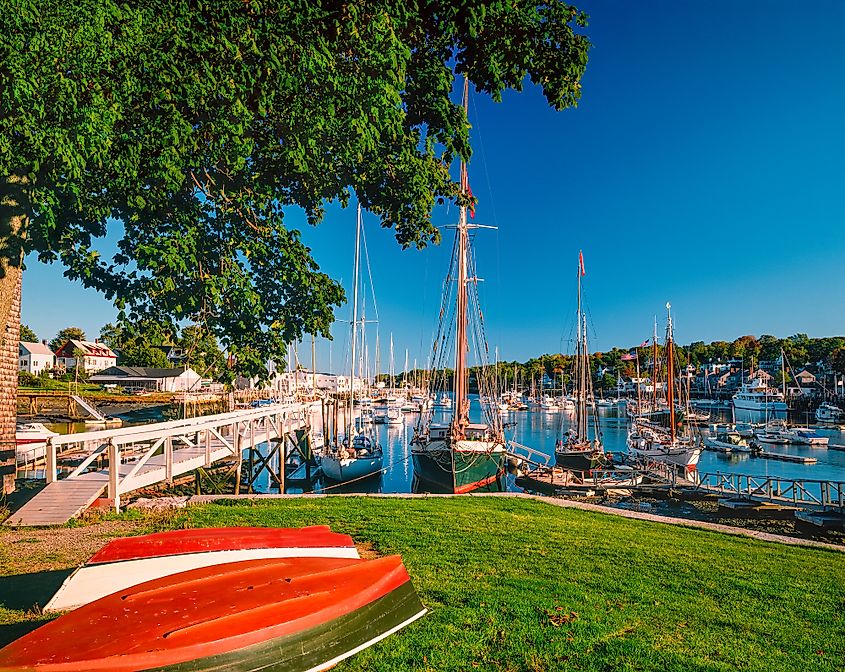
783, 457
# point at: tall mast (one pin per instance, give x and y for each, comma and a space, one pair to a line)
670, 373
581, 392
351, 429
461, 413
654, 367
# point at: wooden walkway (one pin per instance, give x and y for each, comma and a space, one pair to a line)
139, 457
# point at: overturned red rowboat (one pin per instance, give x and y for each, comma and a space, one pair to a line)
295, 614
129, 561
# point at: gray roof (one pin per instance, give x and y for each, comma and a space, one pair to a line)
140, 372
36, 348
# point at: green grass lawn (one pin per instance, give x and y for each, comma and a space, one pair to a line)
520, 585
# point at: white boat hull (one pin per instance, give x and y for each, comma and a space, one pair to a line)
760, 406
348, 469
89, 583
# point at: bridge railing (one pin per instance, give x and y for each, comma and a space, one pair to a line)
801, 492
255, 425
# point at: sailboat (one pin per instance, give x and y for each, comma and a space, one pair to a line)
651, 442
357, 455
576, 450
461, 456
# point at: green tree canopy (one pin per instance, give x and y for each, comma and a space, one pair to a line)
202, 353
65, 335
197, 124
135, 345
186, 129
27, 335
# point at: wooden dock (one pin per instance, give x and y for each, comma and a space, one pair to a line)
142, 456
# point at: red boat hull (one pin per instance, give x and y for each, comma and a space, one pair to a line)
292, 614
203, 540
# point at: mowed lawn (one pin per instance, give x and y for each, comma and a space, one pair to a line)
521, 585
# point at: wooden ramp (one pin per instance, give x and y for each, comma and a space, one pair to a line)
60, 501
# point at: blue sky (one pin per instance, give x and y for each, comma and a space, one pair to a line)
703, 166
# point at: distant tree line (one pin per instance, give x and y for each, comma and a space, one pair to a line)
800, 351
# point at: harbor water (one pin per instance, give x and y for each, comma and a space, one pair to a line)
539, 429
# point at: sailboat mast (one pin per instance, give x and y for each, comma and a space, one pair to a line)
351, 429
581, 392
461, 412
654, 367
670, 374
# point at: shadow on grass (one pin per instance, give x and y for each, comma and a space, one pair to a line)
9, 633
24, 592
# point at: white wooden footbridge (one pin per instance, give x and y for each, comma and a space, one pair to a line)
144, 455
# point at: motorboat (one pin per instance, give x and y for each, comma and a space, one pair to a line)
828, 412
728, 441
756, 395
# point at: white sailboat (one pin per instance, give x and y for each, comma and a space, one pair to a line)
652, 442
357, 455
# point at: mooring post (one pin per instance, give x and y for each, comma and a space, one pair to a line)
168, 459
252, 449
114, 466
236, 441
51, 461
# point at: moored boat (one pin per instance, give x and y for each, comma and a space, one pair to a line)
828, 412
362, 459
292, 614
579, 448
125, 562
461, 456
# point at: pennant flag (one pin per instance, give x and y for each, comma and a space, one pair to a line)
581, 263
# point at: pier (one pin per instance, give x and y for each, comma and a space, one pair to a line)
118, 461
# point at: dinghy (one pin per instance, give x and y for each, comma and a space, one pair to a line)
129, 561
295, 614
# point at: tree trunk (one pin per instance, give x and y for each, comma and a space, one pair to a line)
13, 220
10, 309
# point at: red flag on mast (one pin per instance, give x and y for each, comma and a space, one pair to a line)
581, 263
471, 205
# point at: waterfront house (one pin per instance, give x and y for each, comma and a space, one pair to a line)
35, 357
93, 356
177, 379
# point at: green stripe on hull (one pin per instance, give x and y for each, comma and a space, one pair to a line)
458, 471
310, 648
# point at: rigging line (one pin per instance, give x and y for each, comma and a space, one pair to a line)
369, 270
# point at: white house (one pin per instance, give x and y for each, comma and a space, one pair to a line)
304, 381
94, 356
178, 379
35, 357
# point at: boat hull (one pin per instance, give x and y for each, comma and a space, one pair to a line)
351, 469
578, 460
468, 466
301, 615
126, 562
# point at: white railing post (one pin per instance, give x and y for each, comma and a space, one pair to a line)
51, 461
114, 468
168, 459
207, 447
